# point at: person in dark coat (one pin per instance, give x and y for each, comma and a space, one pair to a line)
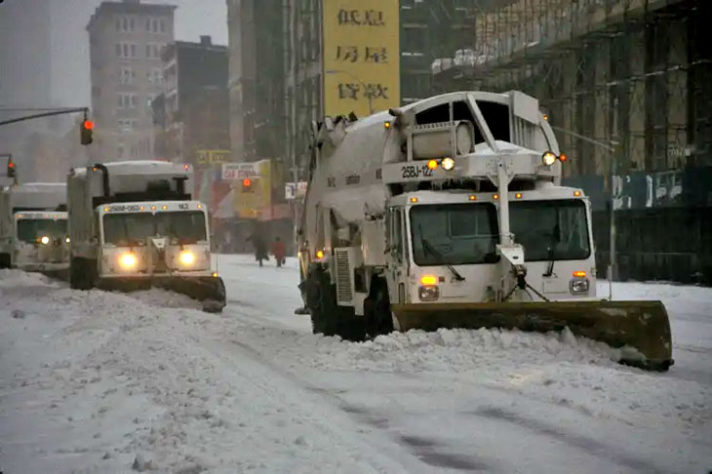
279, 251
260, 246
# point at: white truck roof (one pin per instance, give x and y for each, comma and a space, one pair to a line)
38, 195
123, 168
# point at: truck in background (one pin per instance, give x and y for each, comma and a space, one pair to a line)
448, 212
33, 228
134, 224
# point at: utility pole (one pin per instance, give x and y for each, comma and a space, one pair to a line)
613, 169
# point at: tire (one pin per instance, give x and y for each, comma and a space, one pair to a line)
377, 309
5, 261
328, 318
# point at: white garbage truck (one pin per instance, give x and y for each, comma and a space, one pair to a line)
134, 224
449, 212
33, 228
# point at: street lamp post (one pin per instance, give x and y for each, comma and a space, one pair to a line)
355, 78
613, 168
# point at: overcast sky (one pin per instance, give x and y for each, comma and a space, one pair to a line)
70, 84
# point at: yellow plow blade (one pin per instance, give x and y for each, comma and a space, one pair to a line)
639, 325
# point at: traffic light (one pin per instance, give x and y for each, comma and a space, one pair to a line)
246, 185
87, 131
11, 169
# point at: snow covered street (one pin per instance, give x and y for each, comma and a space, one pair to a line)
96, 382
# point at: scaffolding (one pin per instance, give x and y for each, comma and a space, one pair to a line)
631, 73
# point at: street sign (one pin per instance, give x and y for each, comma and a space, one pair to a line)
206, 157
295, 191
239, 171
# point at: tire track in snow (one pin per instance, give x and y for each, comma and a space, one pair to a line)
428, 452
586, 444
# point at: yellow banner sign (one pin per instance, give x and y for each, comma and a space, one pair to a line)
212, 156
361, 56
253, 191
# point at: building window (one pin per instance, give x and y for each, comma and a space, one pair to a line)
127, 125
127, 101
163, 26
127, 75
153, 50
155, 76
125, 50
125, 24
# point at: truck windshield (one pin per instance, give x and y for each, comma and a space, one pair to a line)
187, 227
29, 230
454, 234
551, 230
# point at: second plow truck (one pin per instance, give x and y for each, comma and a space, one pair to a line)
449, 213
33, 228
133, 224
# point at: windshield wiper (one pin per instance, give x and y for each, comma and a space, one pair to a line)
555, 239
429, 247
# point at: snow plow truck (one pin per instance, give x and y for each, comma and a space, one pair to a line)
33, 228
449, 213
133, 224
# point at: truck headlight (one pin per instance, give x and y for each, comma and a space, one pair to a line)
447, 163
428, 293
186, 258
44, 240
548, 158
578, 286
128, 261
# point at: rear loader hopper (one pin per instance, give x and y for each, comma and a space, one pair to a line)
449, 212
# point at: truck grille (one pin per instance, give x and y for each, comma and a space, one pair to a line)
343, 276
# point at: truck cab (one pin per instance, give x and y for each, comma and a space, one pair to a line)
33, 228
443, 247
153, 238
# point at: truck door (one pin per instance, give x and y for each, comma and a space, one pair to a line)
395, 273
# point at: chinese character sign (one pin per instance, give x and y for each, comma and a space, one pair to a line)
361, 56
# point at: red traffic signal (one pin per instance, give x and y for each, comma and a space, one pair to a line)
86, 132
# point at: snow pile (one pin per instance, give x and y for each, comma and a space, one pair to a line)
108, 382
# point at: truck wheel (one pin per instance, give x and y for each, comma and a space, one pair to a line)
377, 309
4, 260
327, 316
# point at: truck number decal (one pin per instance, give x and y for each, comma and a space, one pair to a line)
183, 206
127, 208
415, 171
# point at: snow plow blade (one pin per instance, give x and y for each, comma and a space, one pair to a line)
209, 290
640, 328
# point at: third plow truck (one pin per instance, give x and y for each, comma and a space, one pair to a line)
449, 213
134, 224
